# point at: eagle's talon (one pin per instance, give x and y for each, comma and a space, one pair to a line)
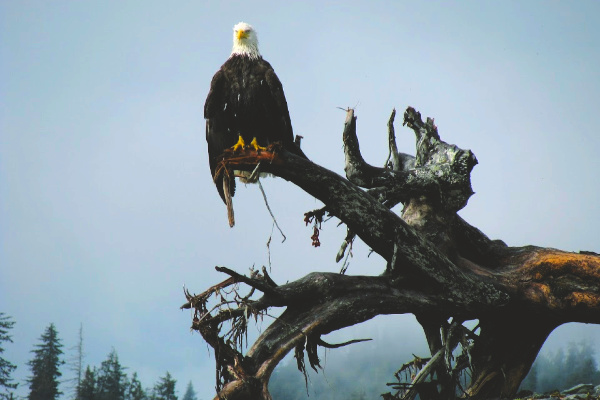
240, 144
255, 145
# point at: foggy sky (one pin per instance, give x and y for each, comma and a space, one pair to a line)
106, 202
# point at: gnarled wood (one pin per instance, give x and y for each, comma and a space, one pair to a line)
437, 267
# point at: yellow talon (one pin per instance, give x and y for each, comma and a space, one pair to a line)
240, 144
254, 144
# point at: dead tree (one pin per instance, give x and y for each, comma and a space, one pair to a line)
438, 267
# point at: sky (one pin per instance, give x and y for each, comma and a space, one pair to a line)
106, 202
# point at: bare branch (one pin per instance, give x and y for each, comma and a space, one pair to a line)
323, 343
255, 283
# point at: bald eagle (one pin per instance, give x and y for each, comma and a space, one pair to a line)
245, 105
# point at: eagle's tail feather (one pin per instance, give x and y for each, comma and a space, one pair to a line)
228, 197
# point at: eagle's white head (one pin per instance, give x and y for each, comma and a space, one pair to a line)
245, 41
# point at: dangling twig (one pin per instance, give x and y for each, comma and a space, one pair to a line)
269, 246
346, 263
347, 242
269, 208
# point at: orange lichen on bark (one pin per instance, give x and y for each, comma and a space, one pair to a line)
557, 279
553, 263
539, 293
584, 299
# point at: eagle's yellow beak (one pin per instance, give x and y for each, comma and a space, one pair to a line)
242, 35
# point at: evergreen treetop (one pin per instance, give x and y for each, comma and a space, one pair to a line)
43, 382
87, 388
190, 393
165, 388
111, 379
136, 391
6, 367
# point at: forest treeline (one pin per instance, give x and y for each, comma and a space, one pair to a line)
565, 367
108, 381
363, 374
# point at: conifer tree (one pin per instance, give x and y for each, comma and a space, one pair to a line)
531, 380
43, 383
6, 367
580, 364
111, 379
165, 388
190, 393
87, 388
136, 391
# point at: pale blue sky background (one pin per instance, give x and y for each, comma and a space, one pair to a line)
106, 202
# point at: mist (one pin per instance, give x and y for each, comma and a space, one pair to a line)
107, 206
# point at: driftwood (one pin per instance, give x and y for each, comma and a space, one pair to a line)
438, 267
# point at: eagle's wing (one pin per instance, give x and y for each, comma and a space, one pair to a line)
215, 94
217, 135
276, 88
287, 136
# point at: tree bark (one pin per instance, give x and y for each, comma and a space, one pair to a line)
438, 267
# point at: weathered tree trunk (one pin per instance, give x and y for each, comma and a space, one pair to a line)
438, 267
507, 346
